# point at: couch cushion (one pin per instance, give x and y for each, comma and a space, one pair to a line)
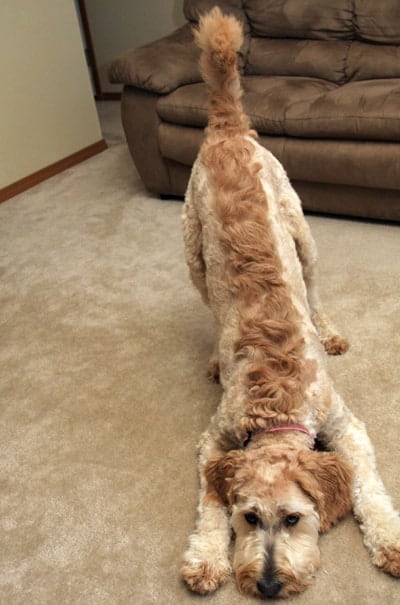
181, 143
372, 61
160, 66
372, 164
265, 100
314, 19
364, 110
332, 60
324, 59
186, 106
376, 21
301, 107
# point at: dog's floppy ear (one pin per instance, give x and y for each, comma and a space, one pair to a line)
327, 479
219, 473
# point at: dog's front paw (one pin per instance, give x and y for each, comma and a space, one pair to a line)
388, 559
204, 577
335, 344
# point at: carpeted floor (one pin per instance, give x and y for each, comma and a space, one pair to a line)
104, 344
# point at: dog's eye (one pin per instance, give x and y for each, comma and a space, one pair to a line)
291, 520
251, 518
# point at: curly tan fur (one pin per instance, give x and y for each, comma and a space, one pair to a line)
269, 335
269, 332
252, 258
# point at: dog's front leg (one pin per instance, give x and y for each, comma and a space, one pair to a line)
206, 564
379, 521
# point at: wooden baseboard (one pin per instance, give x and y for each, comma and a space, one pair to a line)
45, 173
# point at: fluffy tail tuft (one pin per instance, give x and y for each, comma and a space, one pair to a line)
220, 37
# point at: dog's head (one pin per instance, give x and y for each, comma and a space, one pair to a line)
278, 506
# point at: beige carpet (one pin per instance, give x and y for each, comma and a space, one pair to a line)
104, 344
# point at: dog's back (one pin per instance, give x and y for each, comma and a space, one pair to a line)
249, 185
237, 183
244, 248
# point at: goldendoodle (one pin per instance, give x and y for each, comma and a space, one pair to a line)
252, 257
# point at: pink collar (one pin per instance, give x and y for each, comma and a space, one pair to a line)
279, 427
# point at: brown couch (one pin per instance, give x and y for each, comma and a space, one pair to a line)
322, 87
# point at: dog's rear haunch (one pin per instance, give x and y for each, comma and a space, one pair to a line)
252, 257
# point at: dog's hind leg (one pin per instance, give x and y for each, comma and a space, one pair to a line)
379, 521
334, 344
192, 236
213, 364
307, 252
193, 241
205, 563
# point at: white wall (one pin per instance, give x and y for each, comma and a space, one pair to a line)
47, 110
121, 24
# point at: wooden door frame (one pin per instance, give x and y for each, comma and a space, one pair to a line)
99, 95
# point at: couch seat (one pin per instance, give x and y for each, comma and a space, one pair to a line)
301, 107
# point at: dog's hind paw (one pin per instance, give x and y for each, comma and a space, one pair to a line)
213, 371
203, 577
388, 559
335, 344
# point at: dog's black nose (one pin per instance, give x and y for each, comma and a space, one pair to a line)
269, 589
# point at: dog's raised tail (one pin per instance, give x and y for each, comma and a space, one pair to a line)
220, 37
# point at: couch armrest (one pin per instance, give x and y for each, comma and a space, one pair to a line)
161, 66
